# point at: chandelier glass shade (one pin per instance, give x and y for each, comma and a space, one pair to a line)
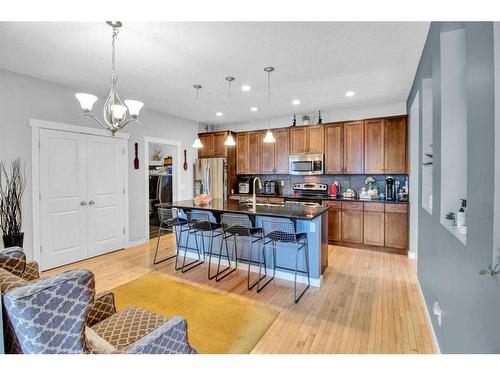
114, 109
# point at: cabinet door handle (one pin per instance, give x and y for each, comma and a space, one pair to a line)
83, 203
91, 202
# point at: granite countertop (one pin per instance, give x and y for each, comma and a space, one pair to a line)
326, 198
288, 210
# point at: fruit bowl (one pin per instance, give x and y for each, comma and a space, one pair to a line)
202, 200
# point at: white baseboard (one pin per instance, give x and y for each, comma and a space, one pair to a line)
412, 255
136, 243
315, 282
429, 320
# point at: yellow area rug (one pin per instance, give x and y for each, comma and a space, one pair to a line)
217, 323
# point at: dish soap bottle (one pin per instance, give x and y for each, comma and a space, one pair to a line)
461, 221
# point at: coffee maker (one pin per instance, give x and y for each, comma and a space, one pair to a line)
390, 194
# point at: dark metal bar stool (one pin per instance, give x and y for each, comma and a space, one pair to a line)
199, 223
238, 226
170, 221
282, 231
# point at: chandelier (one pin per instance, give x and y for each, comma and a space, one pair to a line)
114, 110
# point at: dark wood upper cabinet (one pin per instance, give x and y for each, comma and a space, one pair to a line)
315, 139
242, 153
268, 156
395, 145
207, 140
213, 145
374, 146
334, 149
255, 151
353, 147
219, 148
298, 140
282, 150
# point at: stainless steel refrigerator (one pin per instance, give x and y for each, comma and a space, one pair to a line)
210, 177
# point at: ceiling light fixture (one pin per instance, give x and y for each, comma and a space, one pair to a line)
296, 102
350, 93
219, 114
254, 109
197, 143
245, 88
229, 140
114, 111
269, 138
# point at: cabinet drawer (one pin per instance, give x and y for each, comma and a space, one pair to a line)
332, 204
358, 206
397, 208
374, 207
234, 197
276, 200
261, 199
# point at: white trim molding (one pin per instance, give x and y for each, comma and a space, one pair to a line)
35, 123
429, 320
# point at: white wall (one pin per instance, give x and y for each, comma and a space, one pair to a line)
22, 98
341, 114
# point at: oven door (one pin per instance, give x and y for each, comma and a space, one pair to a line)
306, 164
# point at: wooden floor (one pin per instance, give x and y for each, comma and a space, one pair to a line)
369, 301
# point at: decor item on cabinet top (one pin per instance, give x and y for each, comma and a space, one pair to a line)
114, 111
306, 120
320, 120
294, 121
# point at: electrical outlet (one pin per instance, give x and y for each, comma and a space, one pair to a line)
437, 311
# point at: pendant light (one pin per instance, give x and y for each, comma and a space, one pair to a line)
269, 138
229, 140
197, 143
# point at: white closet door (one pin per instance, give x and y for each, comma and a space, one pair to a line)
63, 197
105, 194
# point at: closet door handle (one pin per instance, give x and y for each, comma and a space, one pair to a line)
83, 203
91, 202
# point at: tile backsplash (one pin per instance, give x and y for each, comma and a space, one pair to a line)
355, 182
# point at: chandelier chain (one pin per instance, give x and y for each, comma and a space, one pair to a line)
113, 49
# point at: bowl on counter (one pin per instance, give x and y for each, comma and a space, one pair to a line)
202, 200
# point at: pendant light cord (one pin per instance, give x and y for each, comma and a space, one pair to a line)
197, 110
230, 102
269, 101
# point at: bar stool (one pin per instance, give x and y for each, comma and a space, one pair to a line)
238, 226
170, 221
282, 231
200, 223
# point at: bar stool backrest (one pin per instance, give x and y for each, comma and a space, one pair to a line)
278, 229
236, 224
169, 216
199, 220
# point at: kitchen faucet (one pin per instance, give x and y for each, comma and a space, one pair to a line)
254, 198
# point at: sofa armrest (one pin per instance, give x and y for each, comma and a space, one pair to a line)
31, 271
169, 338
104, 307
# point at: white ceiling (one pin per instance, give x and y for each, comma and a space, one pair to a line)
157, 63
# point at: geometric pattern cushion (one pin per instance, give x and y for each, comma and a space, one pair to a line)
104, 307
48, 315
13, 260
31, 272
128, 326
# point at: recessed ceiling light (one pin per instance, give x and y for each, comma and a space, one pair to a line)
350, 93
245, 88
296, 102
254, 109
219, 114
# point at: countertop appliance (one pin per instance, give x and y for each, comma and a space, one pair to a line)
269, 188
390, 194
245, 185
308, 194
210, 177
306, 164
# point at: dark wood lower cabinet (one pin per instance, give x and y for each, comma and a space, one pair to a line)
334, 225
352, 226
396, 230
373, 228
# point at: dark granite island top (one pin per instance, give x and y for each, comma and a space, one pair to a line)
288, 210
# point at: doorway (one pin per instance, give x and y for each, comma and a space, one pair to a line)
162, 163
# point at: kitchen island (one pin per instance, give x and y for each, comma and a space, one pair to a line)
310, 220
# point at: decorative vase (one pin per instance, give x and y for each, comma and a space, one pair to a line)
15, 239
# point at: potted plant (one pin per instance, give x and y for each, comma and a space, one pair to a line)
450, 217
12, 185
306, 120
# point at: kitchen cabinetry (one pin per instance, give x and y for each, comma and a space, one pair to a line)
242, 153
334, 149
353, 147
213, 145
268, 157
374, 146
396, 226
307, 139
395, 145
334, 221
255, 145
352, 222
282, 150
373, 224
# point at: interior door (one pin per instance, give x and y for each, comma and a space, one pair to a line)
106, 229
63, 198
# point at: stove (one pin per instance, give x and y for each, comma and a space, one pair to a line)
308, 194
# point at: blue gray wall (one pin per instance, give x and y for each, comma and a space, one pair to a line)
447, 269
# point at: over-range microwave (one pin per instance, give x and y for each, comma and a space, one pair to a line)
306, 164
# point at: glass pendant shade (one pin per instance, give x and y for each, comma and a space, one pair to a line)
112, 101
118, 113
134, 107
197, 143
269, 138
230, 140
86, 101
